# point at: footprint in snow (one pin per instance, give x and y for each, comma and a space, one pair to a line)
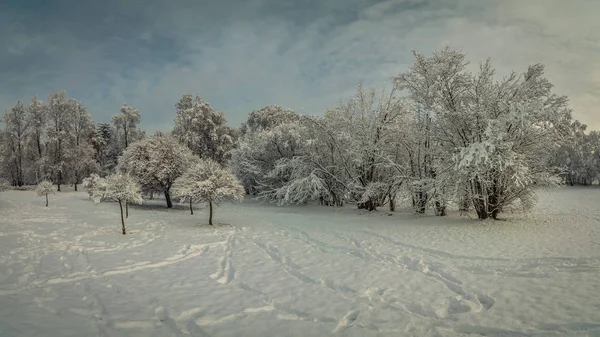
347, 321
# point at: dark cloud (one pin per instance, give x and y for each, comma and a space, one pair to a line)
306, 54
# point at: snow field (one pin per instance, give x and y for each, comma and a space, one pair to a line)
66, 270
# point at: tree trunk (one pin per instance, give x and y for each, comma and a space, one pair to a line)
126, 210
168, 198
421, 202
369, 205
122, 219
191, 209
464, 203
392, 202
59, 180
480, 208
210, 213
76, 175
46, 200
440, 208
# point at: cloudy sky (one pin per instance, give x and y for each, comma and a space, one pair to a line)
303, 54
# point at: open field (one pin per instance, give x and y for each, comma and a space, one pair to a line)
66, 270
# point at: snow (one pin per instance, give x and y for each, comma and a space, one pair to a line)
66, 270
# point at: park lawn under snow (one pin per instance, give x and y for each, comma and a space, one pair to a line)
66, 270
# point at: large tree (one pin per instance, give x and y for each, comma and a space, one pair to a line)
14, 139
262, 148
81, 151
60, 133
268, 117
496, 135
106, 148
37, 116
338, 158
156, 162
126, 124
204, 131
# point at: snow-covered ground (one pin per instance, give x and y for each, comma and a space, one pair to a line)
66, 270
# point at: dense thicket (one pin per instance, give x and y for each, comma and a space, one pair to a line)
440, 136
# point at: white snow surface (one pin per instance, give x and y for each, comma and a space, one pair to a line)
66, 270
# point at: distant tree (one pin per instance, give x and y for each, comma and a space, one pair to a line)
14, 139
268, 141
204, 131
578, 159
60, 135
4, 184
119, 187
156, 162
44, 188
208, 182
269, 117
126, 124
106, 148
81, 151
37, 118
92, 184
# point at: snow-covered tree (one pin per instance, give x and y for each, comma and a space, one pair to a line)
578, 159
44, 188
259, 152
126, 124
268, 118
357, 134
494, 137
92, 184
156, 162
68, 154
60, 133
209, 182
106, 148
81, 151
37, 119
14, 139
338, 158
204, 131
119, 187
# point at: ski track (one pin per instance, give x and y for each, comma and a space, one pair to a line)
23, 270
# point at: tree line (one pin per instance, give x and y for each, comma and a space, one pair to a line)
439, 136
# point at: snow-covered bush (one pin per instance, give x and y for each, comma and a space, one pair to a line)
119, 187
93, 183
44, 188
208, 182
